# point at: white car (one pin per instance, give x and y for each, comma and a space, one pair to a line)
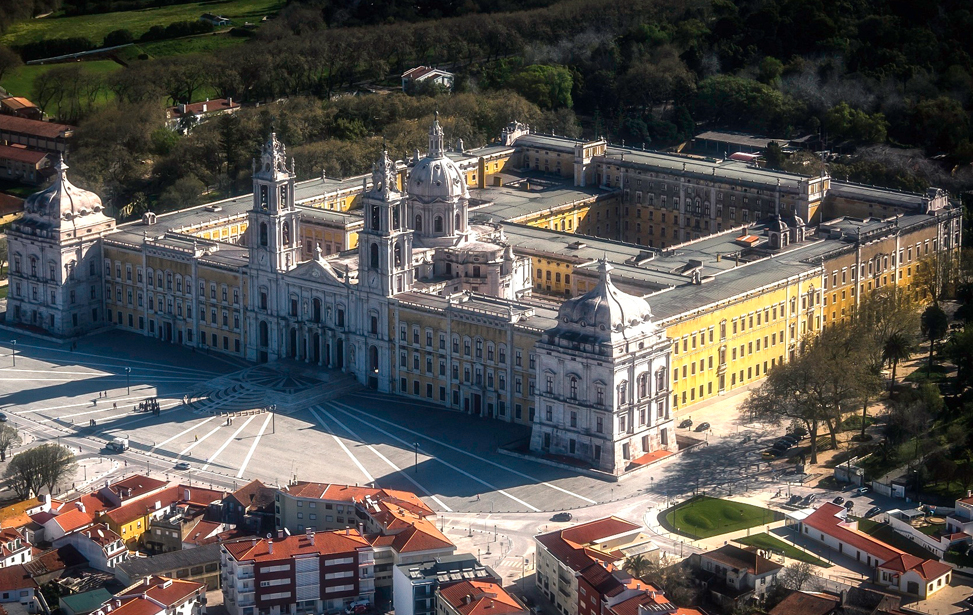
183, 465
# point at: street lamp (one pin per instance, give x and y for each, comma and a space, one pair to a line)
273, 418
128, 383
13, 345
415, 467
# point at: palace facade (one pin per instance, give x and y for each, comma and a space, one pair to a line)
589, 291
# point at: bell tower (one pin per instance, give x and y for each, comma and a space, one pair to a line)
273, 221
385, 243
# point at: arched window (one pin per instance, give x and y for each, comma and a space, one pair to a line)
622, 393
375, 221
398, 254
286, 233
418, 227
438, 224
373, 255
660, 377
395, 216
643, 385
458, 227
316, 306
263, 233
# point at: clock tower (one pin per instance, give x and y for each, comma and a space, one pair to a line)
385, 244
273, 221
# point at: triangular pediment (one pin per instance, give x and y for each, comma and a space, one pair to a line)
317, 271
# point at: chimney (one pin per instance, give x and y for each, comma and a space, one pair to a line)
148, 581
310, 536
182, 107
229, 101
204, 107
80, 505
270, 547
186, 495
280, 533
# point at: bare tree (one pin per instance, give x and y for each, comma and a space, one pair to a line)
56, 463
23, 475
8, 439
798, 576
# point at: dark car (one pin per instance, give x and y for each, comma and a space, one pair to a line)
849, 505
838, 500
799, 432
790, 438
686, 423
702, 427
3, 417
874, 510
562, 516
783, 444
794, 499
809, 498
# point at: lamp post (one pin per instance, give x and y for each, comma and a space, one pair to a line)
13, 345
273, 418
415, 466
128, 382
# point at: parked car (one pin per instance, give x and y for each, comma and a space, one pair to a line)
790, 438
784, 444
849, 505
183, 465
800, 432
686, 423
562, 516
862, 490
3, 417
809, 498
838, 500
702, 427
874, 510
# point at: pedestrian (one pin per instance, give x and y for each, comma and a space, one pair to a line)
196, 437
114, 405
477, 497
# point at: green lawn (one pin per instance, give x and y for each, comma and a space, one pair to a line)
772, 543
20, 82
95, 27
180, 46
702, 517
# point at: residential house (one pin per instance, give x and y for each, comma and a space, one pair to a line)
736, 576
183, 117
14, 548
70, 518
415, 586
251, 507
158, 596
426, 73
580, 568
807, 603
312, 572
133, 519
16, 585
478, 598
645, 601
914, 575
103, 548
84, 602
18, 515
130, 488
831, 526
201, 565
400, 527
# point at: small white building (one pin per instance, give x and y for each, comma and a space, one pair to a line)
913, 575
158, 596
103, 548
426, 73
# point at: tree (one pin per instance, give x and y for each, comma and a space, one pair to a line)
933, 276
55, 463
9, 60
23, 474
798, 576
9, 437
934, 326
547, 86
774, 154
637, 566
960, 351
898, 347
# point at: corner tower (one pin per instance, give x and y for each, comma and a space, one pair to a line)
602, 381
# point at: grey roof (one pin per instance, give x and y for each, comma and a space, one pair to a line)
157, 564
552, 142
739, 138
525, 194
874, 194
443, 568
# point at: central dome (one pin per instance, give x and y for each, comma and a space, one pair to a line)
436, 177
604, 309
62, 200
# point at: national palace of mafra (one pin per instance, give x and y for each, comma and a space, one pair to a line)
589, 291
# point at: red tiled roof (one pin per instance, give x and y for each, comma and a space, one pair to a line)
17, 103
423, 536
9, 204
126, 513
928, 569
800, 603
255, 495
54, 560
325, 543
481, 598
15, 577
21, 154
48, 130
136, 606
165, 590
72, 519
568, 545
136, 486
735, 557
417, 72
100, 535
652, 598
204, 532
824, 520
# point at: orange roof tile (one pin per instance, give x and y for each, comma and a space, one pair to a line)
928, 569
325, 543
481, 598
73, 519
48, 130
825, 520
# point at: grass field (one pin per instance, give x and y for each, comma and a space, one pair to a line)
20, 81
772, 543
886, 534
95, 27
703, 517
180, 46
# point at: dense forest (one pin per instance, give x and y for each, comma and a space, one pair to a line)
887, 85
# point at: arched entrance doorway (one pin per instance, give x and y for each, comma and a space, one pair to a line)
340, 354
316, 350
264, 339
373, 367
